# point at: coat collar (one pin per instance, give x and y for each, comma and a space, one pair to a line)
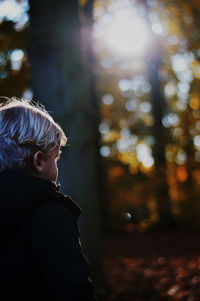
46, 188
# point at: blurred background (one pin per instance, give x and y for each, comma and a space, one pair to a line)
122, 78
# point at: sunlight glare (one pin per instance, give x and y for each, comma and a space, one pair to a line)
181, 157
145, 107
124, 84
131, 105
104, 128
16, 57
105, 151
28, 94
144, 155
157, 28
196, 141
12, 10
108, 99
127, 34
170, 89
16, 54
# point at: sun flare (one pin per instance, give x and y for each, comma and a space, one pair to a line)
124, 32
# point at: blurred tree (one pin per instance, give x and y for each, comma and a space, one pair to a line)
60, 82
158, 131
154, 62
89, 65
180, 77
134, 128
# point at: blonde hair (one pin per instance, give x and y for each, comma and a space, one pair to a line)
24, 129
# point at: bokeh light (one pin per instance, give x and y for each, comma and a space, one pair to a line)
16, 11
123, 30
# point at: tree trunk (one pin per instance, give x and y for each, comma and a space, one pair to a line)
59, 82
162, 191
153, 63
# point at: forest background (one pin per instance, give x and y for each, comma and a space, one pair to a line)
122, 79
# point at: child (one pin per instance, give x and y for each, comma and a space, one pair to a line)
40, 254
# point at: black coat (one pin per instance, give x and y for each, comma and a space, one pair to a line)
40, 253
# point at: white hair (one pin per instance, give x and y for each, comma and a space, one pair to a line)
24, 129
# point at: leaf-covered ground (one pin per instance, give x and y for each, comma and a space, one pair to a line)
153, 266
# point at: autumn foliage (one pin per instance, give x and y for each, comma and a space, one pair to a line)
153, 266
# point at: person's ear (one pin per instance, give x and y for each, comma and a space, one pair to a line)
38, 161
